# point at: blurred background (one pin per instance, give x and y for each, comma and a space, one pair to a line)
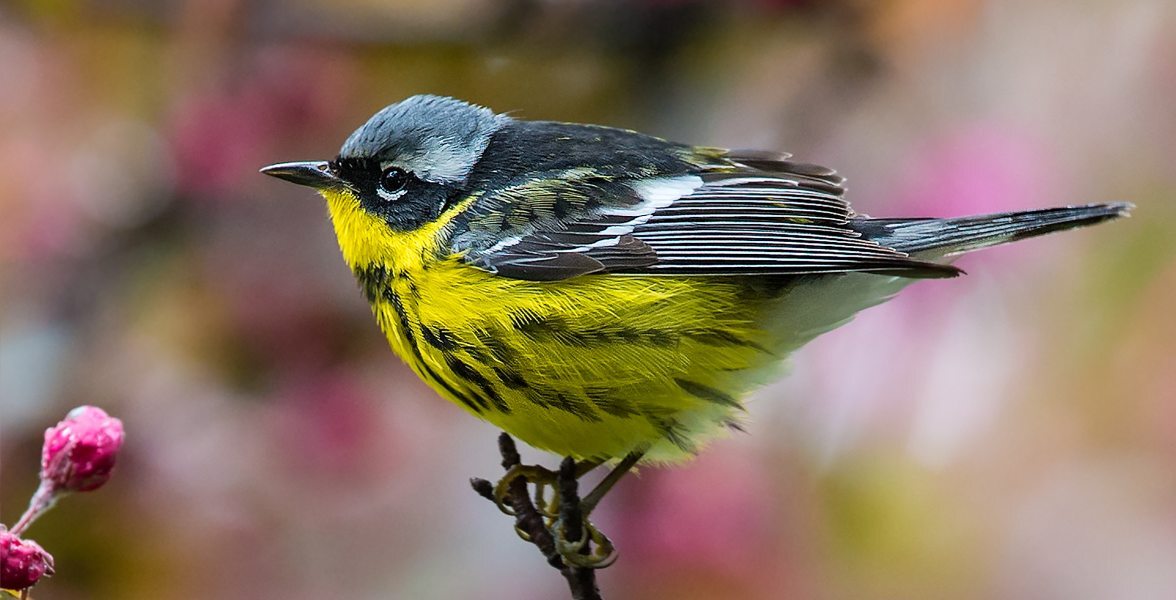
1008, 434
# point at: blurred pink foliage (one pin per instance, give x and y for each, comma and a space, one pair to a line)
715, 518
328, 428
712, 525
217, 134
976, 169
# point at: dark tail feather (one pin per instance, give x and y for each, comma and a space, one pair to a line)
954, 236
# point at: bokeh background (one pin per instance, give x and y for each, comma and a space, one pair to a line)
1010, 434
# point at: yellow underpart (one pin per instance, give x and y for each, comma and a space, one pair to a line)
593, 367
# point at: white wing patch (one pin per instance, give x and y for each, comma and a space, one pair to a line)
663, 191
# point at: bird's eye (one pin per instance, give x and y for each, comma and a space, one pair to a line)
394, 180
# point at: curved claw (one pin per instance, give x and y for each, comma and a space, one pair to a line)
602, 555
547, 504
523, 535
530, 473
567, 548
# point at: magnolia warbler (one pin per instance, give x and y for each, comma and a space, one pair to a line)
600, 293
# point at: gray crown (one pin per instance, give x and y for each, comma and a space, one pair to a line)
438, 139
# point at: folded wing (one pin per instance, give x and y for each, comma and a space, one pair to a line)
746, 214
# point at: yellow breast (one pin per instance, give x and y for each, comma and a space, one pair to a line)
592, 367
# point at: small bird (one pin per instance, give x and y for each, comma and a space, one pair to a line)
604, 294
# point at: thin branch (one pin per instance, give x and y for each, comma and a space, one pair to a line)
531, 525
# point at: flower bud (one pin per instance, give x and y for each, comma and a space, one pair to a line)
79, 451
22, 562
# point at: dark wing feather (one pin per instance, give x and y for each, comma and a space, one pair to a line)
546, 227
754, 214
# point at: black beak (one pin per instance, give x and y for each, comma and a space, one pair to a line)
315, 174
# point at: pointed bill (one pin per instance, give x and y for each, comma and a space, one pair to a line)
315, 174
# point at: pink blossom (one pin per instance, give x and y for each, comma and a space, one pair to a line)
80, 451
78, 456
22, 562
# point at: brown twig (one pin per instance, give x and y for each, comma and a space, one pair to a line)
530, 524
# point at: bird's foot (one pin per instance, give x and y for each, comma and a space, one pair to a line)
535, 475
591, 550
551, 514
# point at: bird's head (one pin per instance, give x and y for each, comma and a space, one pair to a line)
399, 172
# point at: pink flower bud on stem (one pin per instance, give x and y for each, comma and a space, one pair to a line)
22, 562
78, 456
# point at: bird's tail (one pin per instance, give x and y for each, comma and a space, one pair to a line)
947, 237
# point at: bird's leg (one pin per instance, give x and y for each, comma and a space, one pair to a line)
597, 494
549, 506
